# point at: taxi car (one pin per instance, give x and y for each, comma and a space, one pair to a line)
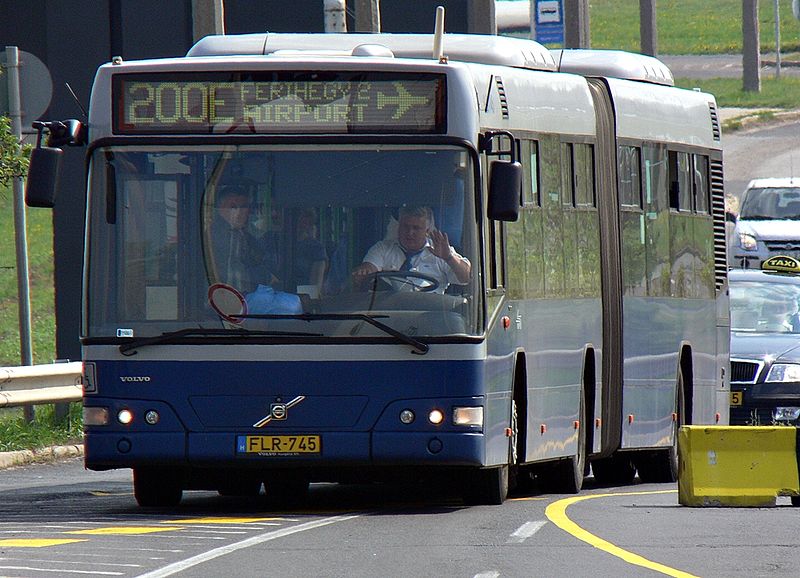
768, 222
765, 343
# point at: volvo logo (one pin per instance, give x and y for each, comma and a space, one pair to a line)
131, 378
279, 411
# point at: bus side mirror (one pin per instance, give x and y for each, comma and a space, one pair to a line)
43, 172
505, 186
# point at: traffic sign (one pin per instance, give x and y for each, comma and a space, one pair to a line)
35, 86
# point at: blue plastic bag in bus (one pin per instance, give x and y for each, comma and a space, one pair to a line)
266, 301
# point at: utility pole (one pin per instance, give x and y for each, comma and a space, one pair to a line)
368, 16
481, 17
648, 27
777, 39
576, 24
751, 55
12, 65
208, 17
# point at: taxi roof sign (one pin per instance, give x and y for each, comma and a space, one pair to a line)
781, 264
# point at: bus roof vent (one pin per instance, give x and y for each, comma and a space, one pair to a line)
482, 49
614, 64
715, 129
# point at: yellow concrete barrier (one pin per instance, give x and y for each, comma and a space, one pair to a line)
736, 465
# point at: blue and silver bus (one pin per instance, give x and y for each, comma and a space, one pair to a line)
582, 187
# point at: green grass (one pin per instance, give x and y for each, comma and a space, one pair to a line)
47, 430
782, 93
691, 26
40, 269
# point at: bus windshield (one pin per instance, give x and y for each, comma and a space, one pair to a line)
267, 237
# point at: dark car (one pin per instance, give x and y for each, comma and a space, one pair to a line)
765, 343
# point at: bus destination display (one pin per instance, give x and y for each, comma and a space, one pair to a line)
281, 102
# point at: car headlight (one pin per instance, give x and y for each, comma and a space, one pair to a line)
747, 242
783, 372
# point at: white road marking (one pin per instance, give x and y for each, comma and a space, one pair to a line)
525, 531
488, 574
61, 570
171, 569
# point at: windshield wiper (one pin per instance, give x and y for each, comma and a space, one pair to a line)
171, 336
420, 348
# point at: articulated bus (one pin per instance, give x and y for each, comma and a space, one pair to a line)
585, 190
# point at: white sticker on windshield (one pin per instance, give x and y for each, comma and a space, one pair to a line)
124, 332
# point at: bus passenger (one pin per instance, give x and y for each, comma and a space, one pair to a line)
419, 247
239, 258
310, 258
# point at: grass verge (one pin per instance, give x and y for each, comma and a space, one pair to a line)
46, 430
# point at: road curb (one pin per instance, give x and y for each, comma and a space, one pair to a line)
44, 455
756, 118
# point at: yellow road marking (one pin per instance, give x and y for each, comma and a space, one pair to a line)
122, 530
557, 513
36, 542
223, 520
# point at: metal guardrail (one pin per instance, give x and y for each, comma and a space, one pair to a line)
40, 384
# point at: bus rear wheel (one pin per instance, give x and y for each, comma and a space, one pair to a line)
156, 487
661, 466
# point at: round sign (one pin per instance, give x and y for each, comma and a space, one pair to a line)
35, 88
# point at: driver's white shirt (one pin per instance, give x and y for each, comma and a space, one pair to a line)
389, 256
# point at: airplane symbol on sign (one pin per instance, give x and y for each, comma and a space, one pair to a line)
404, 101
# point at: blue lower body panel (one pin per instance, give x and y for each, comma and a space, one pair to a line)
440, 449
209, 450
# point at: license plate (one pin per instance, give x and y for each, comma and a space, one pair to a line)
736, 398
279, 445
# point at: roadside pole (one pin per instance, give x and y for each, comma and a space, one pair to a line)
20, 230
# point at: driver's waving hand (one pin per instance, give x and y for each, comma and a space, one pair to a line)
419, 248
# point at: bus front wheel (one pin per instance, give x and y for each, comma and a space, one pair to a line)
156, 487
488, 486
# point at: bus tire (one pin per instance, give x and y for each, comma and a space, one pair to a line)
661, 466
488, 486
156, 488
617, 470
566, 476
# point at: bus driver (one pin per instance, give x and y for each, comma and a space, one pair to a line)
419, 247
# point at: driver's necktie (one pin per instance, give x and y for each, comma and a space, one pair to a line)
406, 266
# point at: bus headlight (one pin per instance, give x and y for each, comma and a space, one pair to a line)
95, 416
125, 416
436, 416
783, 372
468, 416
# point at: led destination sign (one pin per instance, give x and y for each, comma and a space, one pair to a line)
280, 102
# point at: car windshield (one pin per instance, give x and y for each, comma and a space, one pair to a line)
266, 238
763, 307
771, 203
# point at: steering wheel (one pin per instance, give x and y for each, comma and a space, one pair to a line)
228, 302
417, 281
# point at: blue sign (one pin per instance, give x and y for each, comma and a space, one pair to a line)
549, 21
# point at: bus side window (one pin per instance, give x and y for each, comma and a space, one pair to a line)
701, 184
680, 181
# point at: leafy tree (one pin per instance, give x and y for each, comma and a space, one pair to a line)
13, 155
